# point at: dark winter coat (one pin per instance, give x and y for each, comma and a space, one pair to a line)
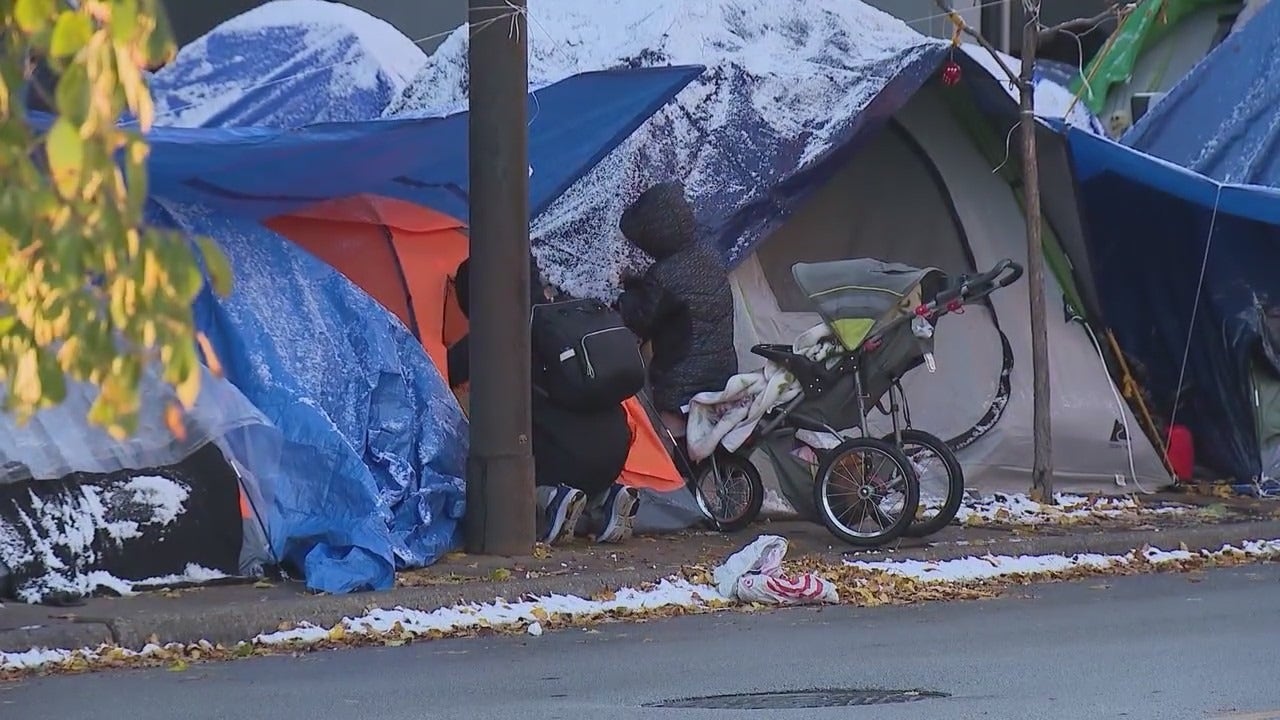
682, 305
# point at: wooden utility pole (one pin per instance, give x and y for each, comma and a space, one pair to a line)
500, 500
1032, 34
1042, 463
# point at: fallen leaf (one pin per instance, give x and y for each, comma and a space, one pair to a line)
263, 585
178, 665
500, 574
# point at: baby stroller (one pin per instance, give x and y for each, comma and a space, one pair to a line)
882, 318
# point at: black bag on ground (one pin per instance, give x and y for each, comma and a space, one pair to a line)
589, 359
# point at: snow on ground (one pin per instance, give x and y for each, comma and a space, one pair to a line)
994, 567
784, 79
1001, 509
287, 63
398, 624
1052, 100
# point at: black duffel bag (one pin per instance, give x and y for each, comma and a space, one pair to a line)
589, 359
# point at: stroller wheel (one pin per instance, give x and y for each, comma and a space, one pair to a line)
729, 491
866, 492
941, 480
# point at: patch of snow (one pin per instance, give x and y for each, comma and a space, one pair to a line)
991, 567
63, 534
193, 575
1020, 509
500, 613
531, 614
287, 63
784, 80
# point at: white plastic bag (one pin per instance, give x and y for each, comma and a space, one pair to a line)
754, 574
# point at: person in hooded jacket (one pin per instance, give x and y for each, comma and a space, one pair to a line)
578, 455
682, 305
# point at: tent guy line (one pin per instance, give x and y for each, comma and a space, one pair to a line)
1195, 312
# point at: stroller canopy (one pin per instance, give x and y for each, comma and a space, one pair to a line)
862, 296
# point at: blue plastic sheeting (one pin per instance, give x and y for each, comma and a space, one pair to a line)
263, 172
1221, 119
369, 476
1148, 226
287, 64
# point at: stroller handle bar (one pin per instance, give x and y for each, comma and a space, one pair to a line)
971, 288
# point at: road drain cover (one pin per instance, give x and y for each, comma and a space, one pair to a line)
800, 699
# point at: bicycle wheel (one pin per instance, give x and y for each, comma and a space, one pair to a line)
941, 480
871, 483
729, 491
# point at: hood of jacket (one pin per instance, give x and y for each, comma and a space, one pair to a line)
661, 221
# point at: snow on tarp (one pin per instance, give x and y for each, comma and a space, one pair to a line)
789, 82
1221, 120
287, 63
374, 443
80, 510
1053, 99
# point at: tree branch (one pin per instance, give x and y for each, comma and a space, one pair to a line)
1079, 25
956, 18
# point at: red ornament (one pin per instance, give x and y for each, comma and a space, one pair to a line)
951, 73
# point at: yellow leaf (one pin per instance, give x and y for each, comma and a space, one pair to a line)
71, 32
540, 613
210, 355
64, 149
263, 585
33, 15
500, 575
174, 420
337, 633
178, 665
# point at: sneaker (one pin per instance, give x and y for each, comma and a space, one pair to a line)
562, 507
620, 506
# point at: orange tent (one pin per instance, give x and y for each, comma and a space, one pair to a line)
404, 255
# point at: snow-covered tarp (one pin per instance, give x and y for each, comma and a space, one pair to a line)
287, 63
81, 511
369, 475
788, 83
1221, 119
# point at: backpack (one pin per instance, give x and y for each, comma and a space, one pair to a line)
589, 359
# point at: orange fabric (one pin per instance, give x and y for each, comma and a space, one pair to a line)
428, 260
427, 247
649, 465
246, 509
358, 250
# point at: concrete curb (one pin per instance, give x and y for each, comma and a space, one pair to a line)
234, 622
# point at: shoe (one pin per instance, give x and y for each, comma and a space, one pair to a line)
562, 507
620, 506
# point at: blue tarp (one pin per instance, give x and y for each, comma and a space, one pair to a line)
1221, 120
1148, 225
374, 446
263, 172
368, 476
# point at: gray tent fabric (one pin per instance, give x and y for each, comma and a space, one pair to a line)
923, 194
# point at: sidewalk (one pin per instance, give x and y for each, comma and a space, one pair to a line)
231, 613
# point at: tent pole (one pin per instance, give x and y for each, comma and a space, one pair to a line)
500, 517
1042, 467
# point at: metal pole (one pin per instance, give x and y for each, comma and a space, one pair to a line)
500, 500
1042, 465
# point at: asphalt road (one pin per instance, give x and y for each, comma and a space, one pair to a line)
1164, 646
